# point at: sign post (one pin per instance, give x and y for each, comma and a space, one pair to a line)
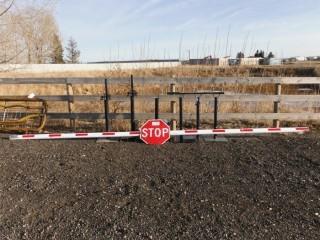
155, 132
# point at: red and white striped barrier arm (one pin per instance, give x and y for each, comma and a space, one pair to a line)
239, 131
243, 131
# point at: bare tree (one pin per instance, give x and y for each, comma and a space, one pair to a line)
8, 38
38, 34
6, 7
27, 31
57, 50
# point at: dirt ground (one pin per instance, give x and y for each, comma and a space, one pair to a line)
247, 188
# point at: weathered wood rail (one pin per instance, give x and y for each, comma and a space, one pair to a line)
166, 98
190, 116
277, 98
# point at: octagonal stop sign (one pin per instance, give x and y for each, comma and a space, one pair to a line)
155, 132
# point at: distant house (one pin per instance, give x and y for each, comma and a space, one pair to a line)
233, 61
207, 61
300, 59
273, 61
289, 60
249, 61
222, 62
314, 58
294, 60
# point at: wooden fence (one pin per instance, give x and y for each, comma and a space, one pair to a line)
277, 99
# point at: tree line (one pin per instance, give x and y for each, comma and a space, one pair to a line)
29, 34
258, 54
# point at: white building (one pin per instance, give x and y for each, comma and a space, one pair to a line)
249, 61
273, 61
300, 59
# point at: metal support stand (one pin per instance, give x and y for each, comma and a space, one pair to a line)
215, 117
132, 95
198, 115
215, 94
106, 98
156, 108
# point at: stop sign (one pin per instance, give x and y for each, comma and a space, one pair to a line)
155, 132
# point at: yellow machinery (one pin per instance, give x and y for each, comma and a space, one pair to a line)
22, 114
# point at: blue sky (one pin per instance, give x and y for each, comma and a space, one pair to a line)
139, 29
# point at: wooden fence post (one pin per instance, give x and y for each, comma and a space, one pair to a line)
173, 107
70, 104
276, 108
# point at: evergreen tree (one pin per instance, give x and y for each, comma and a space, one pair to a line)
257, 54
57, 50
271, 55
73, 54
240, 55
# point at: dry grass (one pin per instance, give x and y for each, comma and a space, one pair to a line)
300, 69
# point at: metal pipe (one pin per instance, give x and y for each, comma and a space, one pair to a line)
198, 112
215, 118
156, 108
198, 115
106, 104
132, 113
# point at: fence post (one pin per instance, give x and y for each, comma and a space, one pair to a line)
215, 117
173, 107
181, 116
276, 108
106, 104
69, 90
156, 108
198, 115
132, 94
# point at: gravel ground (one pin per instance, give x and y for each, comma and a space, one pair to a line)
248, 188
